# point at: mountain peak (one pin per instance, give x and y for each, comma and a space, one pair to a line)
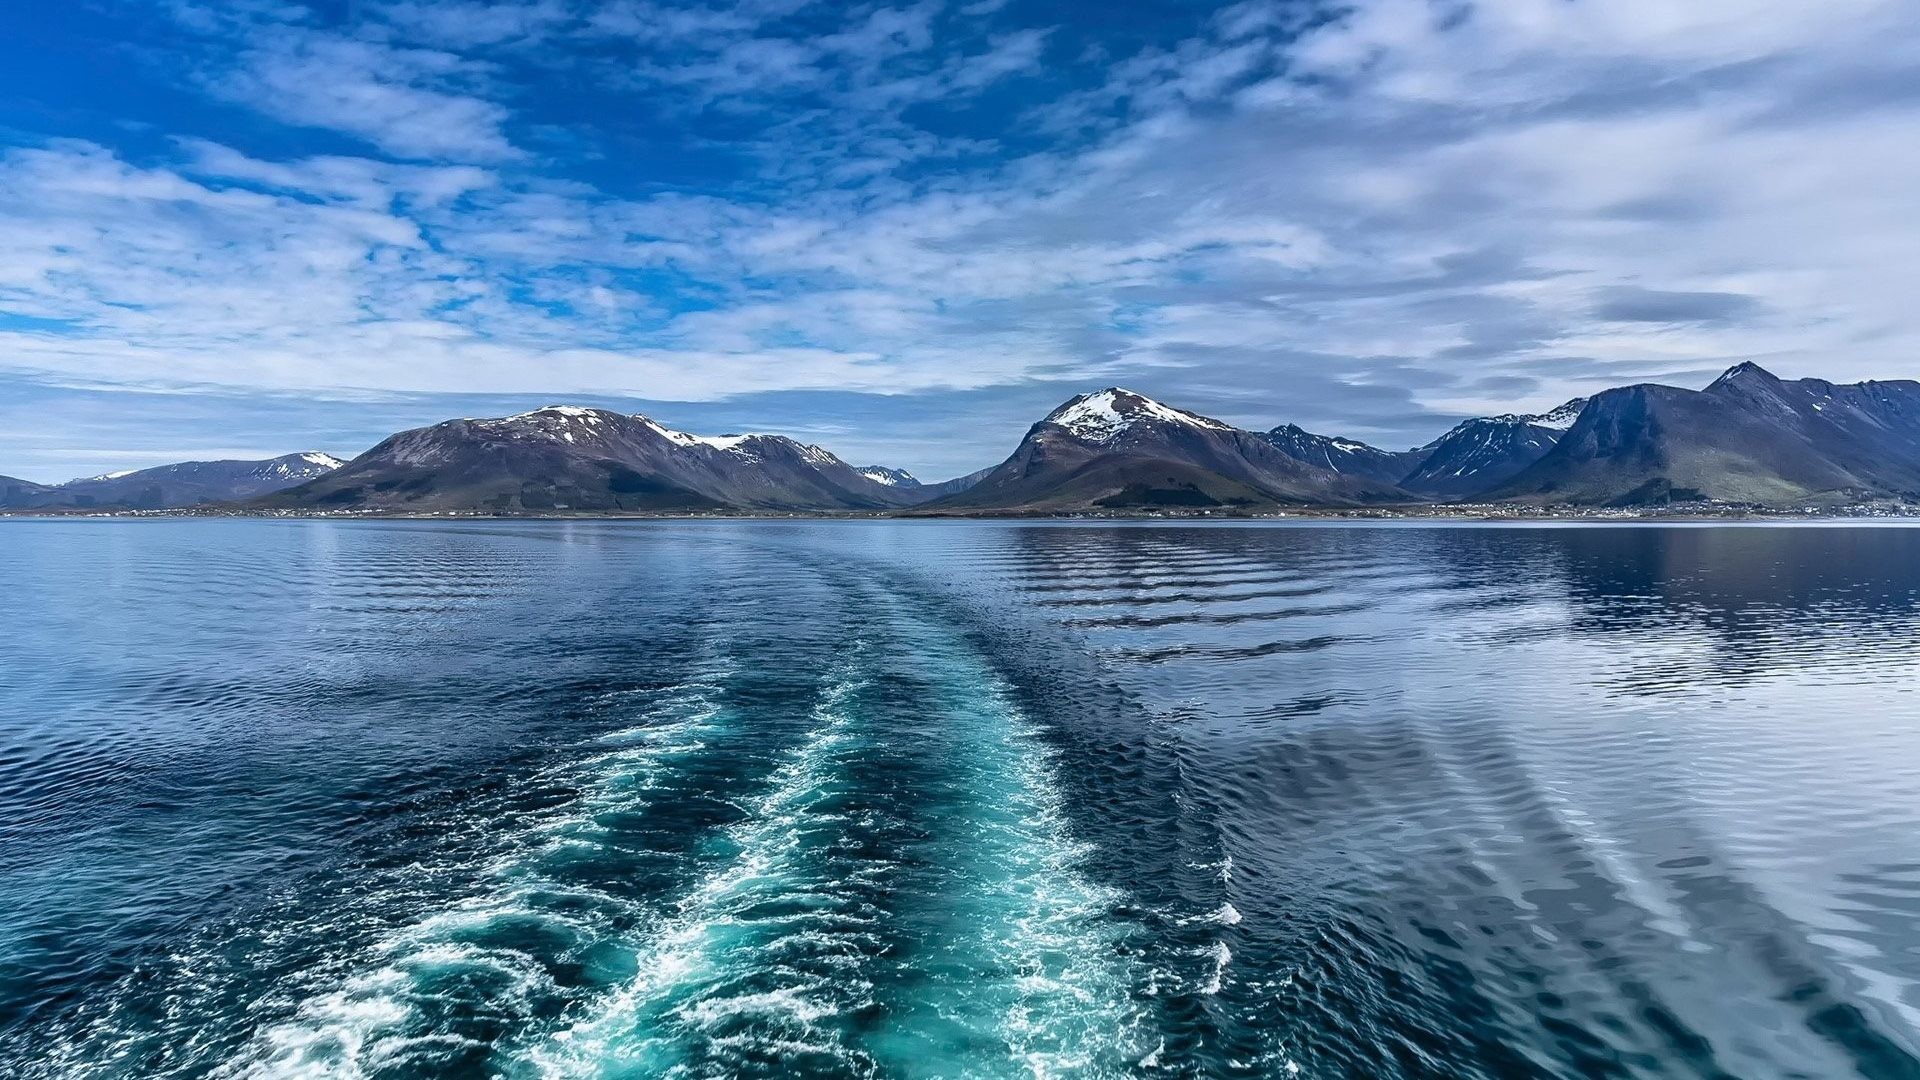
567, 410
559, 412
1102, 416
1744, 372
1560, 418
717, 442
881, 474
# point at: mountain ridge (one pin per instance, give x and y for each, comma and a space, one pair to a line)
1115, 449
1748, 438
174, 486
569, 458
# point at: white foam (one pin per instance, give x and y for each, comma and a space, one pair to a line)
1222, 956
373, 1015
687, 959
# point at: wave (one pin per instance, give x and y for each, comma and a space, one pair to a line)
487, 965
907, 899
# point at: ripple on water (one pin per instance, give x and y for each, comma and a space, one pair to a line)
598, 800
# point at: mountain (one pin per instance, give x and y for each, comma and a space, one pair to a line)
1870, 429
567, 458
939, 489
1749, 437
880, 474
1485, 452
1118, 450
166, 487
1344, 456
14, 491
912, 490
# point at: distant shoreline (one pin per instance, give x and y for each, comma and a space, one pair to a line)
1450, 513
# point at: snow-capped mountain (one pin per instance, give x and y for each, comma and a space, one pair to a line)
300, 468
1116, 449
1103, 418
1748, 437
1345, 456
167, 487
568, 458
880, 474
1485, 452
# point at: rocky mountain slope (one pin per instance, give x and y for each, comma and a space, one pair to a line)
1481, 454
565, 458
1750, 437
1117, 450
16, 492
165, 487
1347, 457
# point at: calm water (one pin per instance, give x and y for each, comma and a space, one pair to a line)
288, 799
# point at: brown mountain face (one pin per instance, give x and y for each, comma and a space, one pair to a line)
1116, 450
564, 458
1748, 438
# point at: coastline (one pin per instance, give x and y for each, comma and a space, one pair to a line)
1459, 513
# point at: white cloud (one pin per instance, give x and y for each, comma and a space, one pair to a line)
405, 101
1355, 228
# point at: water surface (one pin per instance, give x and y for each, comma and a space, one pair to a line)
919, 799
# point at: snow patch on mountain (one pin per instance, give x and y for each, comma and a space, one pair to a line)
1102, 417
684, 438
880, 474
1559, 419
1562, 418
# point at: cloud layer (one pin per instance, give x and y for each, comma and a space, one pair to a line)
1371, 218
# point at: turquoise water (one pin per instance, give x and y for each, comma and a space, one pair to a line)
390, 799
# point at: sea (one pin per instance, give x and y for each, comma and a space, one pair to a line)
958, 799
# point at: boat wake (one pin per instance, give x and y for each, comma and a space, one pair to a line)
867, 872
904, 900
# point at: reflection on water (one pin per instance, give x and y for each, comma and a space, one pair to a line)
945, 799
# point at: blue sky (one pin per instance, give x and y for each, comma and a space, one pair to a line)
906, 230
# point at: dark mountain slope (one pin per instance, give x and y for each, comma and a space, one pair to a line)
565, 458
184, 485
942, 488
17, 492
1118, 450
1485, 452
1653, 444
1344, 456
1869, 429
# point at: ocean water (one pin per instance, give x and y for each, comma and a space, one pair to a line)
963, 799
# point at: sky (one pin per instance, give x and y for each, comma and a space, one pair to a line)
907, 230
